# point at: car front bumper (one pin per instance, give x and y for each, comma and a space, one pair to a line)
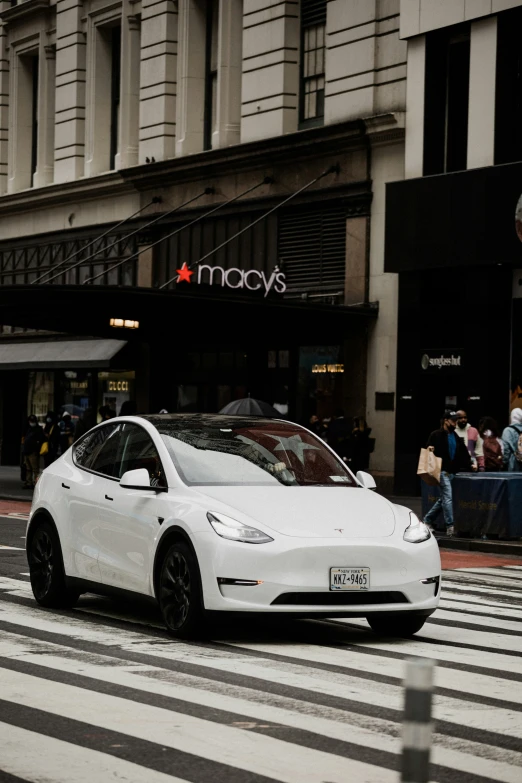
294, 575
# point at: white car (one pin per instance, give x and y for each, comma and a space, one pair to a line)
212, 513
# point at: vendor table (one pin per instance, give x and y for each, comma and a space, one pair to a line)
484, 504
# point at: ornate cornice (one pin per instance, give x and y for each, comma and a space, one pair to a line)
25, 8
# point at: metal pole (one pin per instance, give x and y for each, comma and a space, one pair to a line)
417, 724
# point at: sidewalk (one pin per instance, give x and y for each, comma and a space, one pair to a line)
11, 485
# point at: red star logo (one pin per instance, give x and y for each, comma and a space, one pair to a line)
184, 274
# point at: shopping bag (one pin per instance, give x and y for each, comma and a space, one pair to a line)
44, 449
429, 467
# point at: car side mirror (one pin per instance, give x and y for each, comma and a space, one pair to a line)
136, 479
365, 480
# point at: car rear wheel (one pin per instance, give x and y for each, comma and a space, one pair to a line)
46, 570
396, 624
179, 593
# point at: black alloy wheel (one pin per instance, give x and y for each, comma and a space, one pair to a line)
44, 555
179, 592
396, 624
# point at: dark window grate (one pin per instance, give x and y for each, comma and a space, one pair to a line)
312, 249
341, 599
313, 12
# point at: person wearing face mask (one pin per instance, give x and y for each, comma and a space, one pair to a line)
512, 439
470, 436
445, 443
33, 439
52, 434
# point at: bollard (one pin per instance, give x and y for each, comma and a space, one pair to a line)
417, 726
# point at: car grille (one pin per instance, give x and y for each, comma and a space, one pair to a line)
341, 599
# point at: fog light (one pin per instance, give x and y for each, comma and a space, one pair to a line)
432, 580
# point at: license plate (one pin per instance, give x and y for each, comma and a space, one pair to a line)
349, 578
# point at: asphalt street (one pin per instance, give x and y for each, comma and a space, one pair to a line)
101, 693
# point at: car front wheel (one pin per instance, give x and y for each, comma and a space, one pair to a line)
44, 555
179, 593
395, 624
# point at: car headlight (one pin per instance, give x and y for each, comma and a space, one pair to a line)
236, 531
416, 531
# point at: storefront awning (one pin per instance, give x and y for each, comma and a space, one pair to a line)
59, 354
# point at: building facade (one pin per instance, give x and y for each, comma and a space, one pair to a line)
244, 142
453, 226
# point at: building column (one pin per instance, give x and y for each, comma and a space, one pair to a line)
130, 91
230, 52
145, 266
270, 81
98, 104
416, 70
482, 84
190, 105
4, 108
158, 77
69, 132
44, 173
19, 176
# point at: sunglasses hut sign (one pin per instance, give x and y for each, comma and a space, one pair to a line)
250, 280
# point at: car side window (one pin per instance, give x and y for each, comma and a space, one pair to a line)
98, 450
138, 451
87, 450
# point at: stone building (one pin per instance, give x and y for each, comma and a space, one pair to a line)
451, 229
263, 131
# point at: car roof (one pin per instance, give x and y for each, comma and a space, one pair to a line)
165, 421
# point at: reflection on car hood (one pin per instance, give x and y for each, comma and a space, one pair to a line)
310, 512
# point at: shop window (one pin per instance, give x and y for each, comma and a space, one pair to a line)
508, 108
446, 100
34, 64
40, 398
313, 52
211, 72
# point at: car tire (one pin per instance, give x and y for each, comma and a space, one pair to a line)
47, 574
179, 592
401, 625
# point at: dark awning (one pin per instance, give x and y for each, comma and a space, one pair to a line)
58, 354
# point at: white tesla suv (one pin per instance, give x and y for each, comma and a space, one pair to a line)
211, 513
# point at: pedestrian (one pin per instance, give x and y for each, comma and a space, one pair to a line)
512, 438
361, 445
33, 439
66, 432
52, 435
470, 436
492, 444
86, 423
339, 434
315, 425
106, 413
455, 458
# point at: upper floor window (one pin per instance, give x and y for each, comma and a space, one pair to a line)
313, 50
446, 100
211, 72
508, 102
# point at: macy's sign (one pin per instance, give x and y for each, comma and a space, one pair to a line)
251, 279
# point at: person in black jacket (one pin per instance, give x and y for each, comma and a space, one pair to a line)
52, 434
455, 458
33, 439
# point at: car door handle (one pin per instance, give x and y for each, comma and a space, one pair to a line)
108, 498
65, 486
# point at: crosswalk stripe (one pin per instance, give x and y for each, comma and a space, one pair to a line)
234, 747
331, 686
139, 678
36, 758
492, 573
472, 588
497, 625
500, 610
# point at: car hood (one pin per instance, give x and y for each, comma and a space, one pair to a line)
309, 512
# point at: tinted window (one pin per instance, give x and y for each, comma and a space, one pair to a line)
87, 451
138, 451
236, 452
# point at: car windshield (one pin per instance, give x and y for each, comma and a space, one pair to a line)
234, 452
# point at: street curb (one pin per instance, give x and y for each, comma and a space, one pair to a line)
478, 545
17, 498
